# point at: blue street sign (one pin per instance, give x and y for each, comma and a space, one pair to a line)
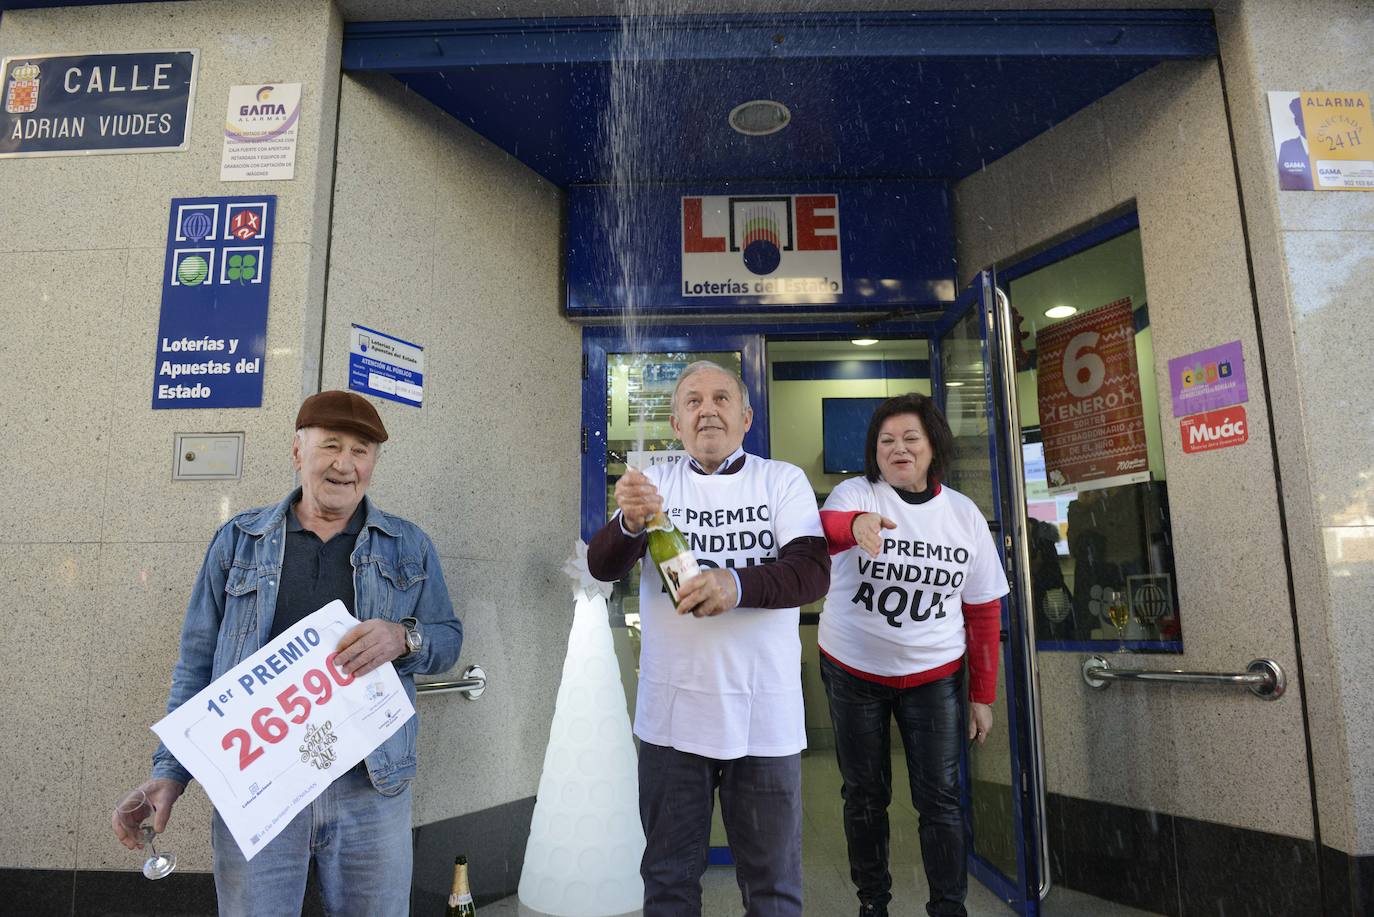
56, 105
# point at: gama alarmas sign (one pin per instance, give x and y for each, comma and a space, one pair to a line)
785, 246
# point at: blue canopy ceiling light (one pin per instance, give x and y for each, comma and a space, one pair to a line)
759, 117
869, 96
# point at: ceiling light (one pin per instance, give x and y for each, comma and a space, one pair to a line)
864, 342
953, 384
760, 117
1060, 312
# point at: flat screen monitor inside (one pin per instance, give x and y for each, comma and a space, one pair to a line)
1040, 503
844, 423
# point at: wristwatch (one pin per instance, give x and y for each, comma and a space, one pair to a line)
414, 640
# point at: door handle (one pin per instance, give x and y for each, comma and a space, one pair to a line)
1263, 677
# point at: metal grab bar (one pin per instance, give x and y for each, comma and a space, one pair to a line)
1264, 677
472, 684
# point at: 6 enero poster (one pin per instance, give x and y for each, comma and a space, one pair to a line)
1091, 419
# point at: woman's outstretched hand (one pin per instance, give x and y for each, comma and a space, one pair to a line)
868, 531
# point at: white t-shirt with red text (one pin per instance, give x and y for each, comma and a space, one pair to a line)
727, 686
902, 612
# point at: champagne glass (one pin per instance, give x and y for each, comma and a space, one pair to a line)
1118, 612
137, 806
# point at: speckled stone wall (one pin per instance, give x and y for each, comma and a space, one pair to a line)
100, 546
1160, 143
1314, 270
442, 239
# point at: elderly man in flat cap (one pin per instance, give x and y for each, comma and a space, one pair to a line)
268, 568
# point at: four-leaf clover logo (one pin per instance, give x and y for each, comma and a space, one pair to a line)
243, 268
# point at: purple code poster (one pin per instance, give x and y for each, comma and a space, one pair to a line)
1208, 379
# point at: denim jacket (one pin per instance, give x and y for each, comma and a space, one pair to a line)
395, 575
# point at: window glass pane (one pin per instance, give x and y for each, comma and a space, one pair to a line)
966, 381
1096, 484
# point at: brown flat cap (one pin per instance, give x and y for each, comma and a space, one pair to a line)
342, 411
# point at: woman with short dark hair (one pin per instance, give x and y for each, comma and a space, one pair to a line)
916, 583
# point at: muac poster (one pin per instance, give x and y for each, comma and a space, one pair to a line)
1323, 141
1091, 419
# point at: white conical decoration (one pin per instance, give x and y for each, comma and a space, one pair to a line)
582, 859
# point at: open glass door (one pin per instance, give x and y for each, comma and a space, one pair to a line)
1002, 786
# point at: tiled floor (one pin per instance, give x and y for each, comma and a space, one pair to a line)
828, 892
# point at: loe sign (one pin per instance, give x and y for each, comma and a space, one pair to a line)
785, 247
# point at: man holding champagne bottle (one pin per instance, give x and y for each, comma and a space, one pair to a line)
736, 548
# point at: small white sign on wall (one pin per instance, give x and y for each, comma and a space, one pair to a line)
260, 129
386, 366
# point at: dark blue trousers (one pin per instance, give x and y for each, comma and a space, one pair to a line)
760, 803
931, 721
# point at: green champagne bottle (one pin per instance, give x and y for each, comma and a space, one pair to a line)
460, 899
671, 553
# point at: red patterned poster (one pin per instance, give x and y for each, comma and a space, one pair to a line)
1089, 393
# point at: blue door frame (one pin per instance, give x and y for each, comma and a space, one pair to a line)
1016, 891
